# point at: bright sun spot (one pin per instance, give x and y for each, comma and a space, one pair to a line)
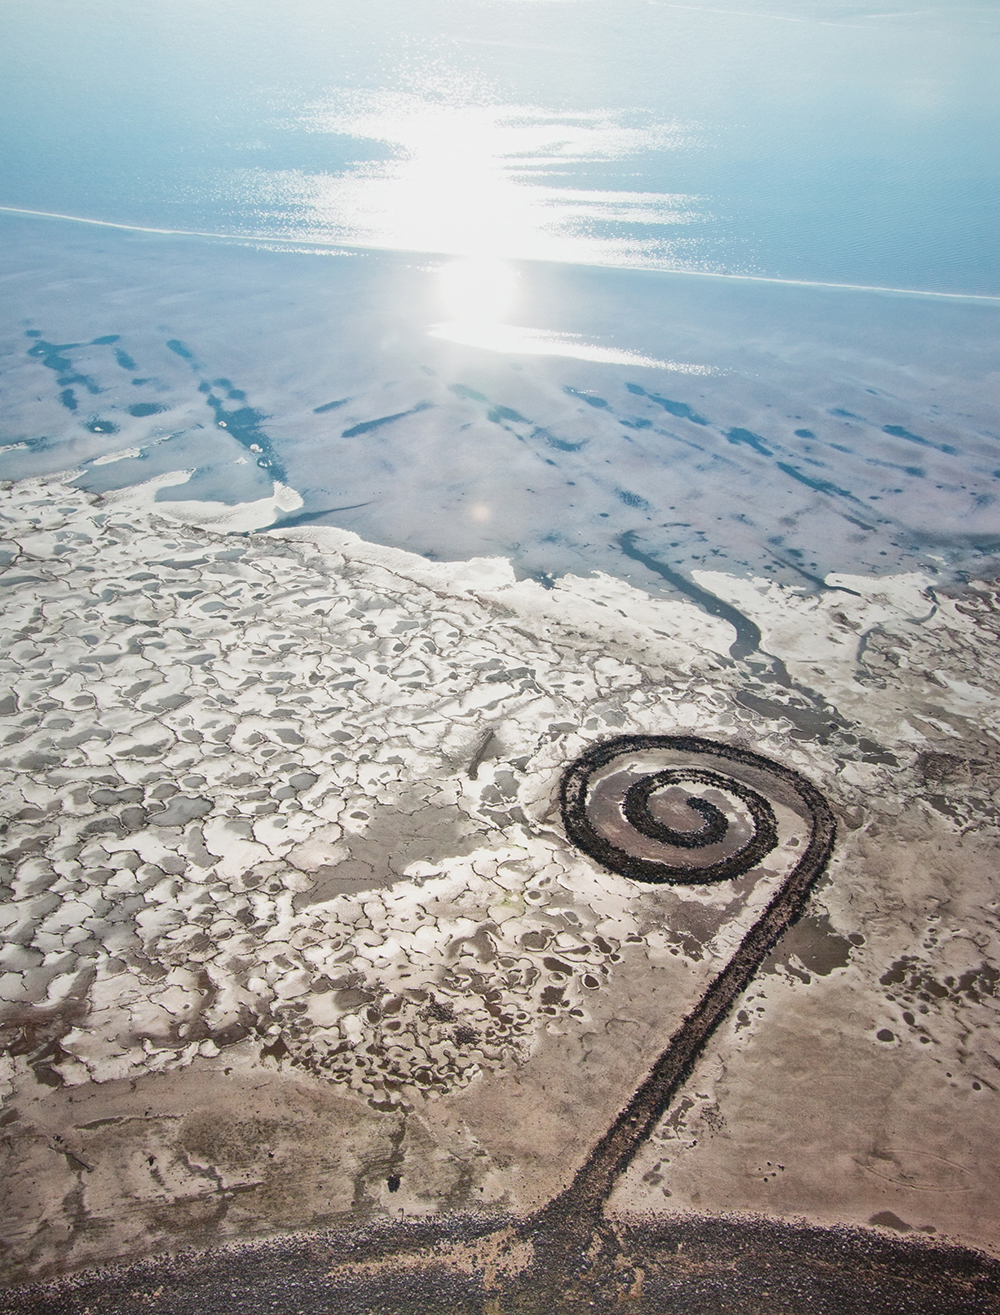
478, 296
477, 290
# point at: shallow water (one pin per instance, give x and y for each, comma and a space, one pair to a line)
517, 385
785, 431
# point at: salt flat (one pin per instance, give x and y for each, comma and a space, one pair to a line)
294, 930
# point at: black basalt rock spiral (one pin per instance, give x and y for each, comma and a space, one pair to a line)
640, 806
617, 854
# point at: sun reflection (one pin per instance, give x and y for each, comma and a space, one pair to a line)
469, 177
513, 340
479, 293
478, 290
489, 185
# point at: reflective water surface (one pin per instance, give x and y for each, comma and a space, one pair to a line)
820, 139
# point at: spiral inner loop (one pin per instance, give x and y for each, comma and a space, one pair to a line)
635, 807
588, 794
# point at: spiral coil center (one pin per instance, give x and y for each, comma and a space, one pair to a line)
676, 809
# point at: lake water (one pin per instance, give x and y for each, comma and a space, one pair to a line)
542, 279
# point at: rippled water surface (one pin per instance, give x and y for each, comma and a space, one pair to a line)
393, 316
813, 140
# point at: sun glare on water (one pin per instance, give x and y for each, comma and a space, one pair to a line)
479, 294
478, 290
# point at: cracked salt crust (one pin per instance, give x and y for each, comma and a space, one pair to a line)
245, 844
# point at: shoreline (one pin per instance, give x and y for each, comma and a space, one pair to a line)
301, 245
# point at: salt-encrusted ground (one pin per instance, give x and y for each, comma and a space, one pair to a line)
293, 933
